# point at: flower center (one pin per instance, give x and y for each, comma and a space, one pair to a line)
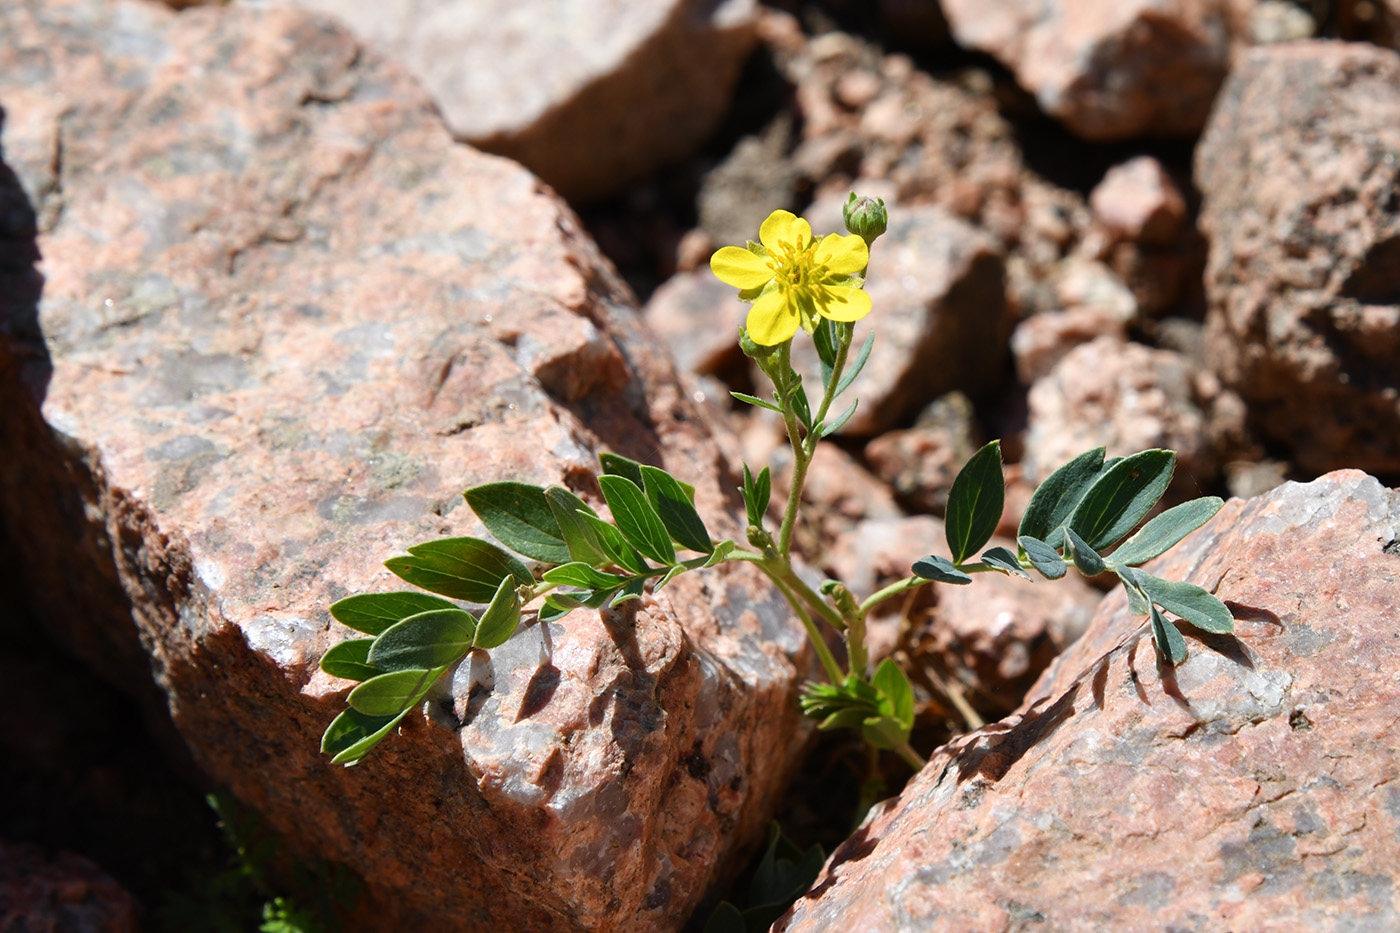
794, 267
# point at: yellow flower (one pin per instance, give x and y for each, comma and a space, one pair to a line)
792, 278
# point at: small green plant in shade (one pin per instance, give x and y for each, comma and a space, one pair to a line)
554, 553
241, 897
784, 873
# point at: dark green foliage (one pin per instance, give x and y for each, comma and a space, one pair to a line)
520, 517
939, 570
460, 568
1120, 496
975, 503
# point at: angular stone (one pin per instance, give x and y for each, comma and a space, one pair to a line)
1123, 396
63, 893
1108, 69
938, 288
1300, 173
589, 96
282, 326
1139, 201
1250, 788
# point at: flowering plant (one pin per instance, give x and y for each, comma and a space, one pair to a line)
794, 281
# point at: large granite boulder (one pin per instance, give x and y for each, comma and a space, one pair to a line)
1300, 173
1108, 69
588, 95
285, 320
1253, 787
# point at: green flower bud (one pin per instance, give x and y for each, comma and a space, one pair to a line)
754, 350
865, 217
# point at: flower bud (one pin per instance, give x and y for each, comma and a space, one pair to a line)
754, 350
865, 217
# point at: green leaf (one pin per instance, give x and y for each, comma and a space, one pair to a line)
1138, 603
755, 400
849, 718
671, 574
853, 370
393, 693
632, 589
1003, 560
619, 551
579, 536
884, 732
350, 660
352, 734
1087, 559
756, 492
553, 609
825, 340
462, 568
430, 639
801, 407
1054, 500
582, 576
840, 422
940, 570
1170, 645
1043, 557
519, 516
725, 919
897, 694
682, 522
618, 465
721, 551
1186, 600
500, 619
372, 613
1159, 535
1121, 495
636, 519
974, 503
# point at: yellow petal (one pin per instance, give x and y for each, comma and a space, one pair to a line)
784, 226
843, 255
843, 303
772, 319
734, 265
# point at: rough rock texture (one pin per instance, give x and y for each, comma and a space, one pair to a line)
938, 289
698, 318
1300, 172
920, 463
64, 894
1139, 201
286, 328
1252, 788
1123, 396
587, 95
1107, 69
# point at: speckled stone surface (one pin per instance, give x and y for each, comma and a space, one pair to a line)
284, 321
1300, 184
1253, 788
589, 95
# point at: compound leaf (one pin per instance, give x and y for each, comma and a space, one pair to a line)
1121, 495
1054, 500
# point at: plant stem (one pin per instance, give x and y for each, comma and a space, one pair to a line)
914, 759
833, 670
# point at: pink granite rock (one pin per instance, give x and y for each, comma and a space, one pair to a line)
1139, 201
1251, 788
920, 463
1120, 395
63, 894
288, 321
1300, 185
1107, 69
698, 318
588, 96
